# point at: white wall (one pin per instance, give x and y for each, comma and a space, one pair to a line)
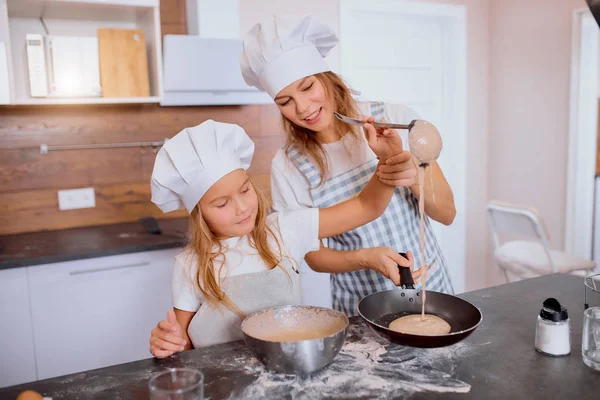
530, 60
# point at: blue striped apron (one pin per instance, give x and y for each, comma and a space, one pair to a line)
397, 228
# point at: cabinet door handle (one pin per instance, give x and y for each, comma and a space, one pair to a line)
91, 271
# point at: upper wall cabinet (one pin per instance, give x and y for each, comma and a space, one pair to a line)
203, 67
80, 52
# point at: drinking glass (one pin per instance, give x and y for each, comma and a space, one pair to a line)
177, 384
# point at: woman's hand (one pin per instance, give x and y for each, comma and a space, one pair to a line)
399, 170
167, 338
385, 143
385, 261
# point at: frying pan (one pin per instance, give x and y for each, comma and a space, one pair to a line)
381, 308
594, 6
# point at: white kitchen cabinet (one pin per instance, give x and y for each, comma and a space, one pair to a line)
98, 312
72, 18
17, 356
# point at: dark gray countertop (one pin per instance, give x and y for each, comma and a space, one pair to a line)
497, 361
95, 241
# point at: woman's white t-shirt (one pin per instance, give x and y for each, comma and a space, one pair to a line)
290, 189
297, 232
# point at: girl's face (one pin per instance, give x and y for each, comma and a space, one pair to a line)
230, 206
306, 104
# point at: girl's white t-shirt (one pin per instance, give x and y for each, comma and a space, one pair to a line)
297, 232
290, 189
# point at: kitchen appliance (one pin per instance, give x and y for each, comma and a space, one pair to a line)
63, 66
265, 333
73, 66
205, 71
381, 308
36, 63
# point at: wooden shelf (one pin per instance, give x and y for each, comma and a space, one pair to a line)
77, 18
89, 100
61, 8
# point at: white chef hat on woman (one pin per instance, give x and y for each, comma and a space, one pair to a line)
195, 159
282, 49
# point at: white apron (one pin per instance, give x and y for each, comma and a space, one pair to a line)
397, 228
215, 323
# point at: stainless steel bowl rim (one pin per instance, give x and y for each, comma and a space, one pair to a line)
385, 328
291, 307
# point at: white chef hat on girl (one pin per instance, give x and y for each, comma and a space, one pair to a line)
192, 161
282, 49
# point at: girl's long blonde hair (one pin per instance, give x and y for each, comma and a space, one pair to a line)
305, 139
203, 242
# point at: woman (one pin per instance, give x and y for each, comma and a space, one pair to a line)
325, 161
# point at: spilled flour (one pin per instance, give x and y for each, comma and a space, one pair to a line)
367, 367
364, 368
115, 383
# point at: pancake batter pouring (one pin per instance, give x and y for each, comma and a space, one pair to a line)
425, 145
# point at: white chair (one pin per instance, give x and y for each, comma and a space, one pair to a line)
521, 259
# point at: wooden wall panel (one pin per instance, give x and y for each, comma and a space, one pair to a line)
173, 19
29, 180
35, 210
27, 211
22, 126
121, 177
29, 170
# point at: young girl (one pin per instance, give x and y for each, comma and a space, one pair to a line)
239, 259
324, 161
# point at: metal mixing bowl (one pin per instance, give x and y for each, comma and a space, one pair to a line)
275, 336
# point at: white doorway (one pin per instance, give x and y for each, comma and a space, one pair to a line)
583, 126
414, 53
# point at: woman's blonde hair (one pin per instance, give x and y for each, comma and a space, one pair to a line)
203, 241
305, 139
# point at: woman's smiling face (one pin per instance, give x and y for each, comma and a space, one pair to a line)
306, 104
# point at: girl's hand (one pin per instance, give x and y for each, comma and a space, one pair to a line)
385, 143
385, 260
399, 170
167, 337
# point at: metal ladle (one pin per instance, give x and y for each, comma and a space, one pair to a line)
416, 135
